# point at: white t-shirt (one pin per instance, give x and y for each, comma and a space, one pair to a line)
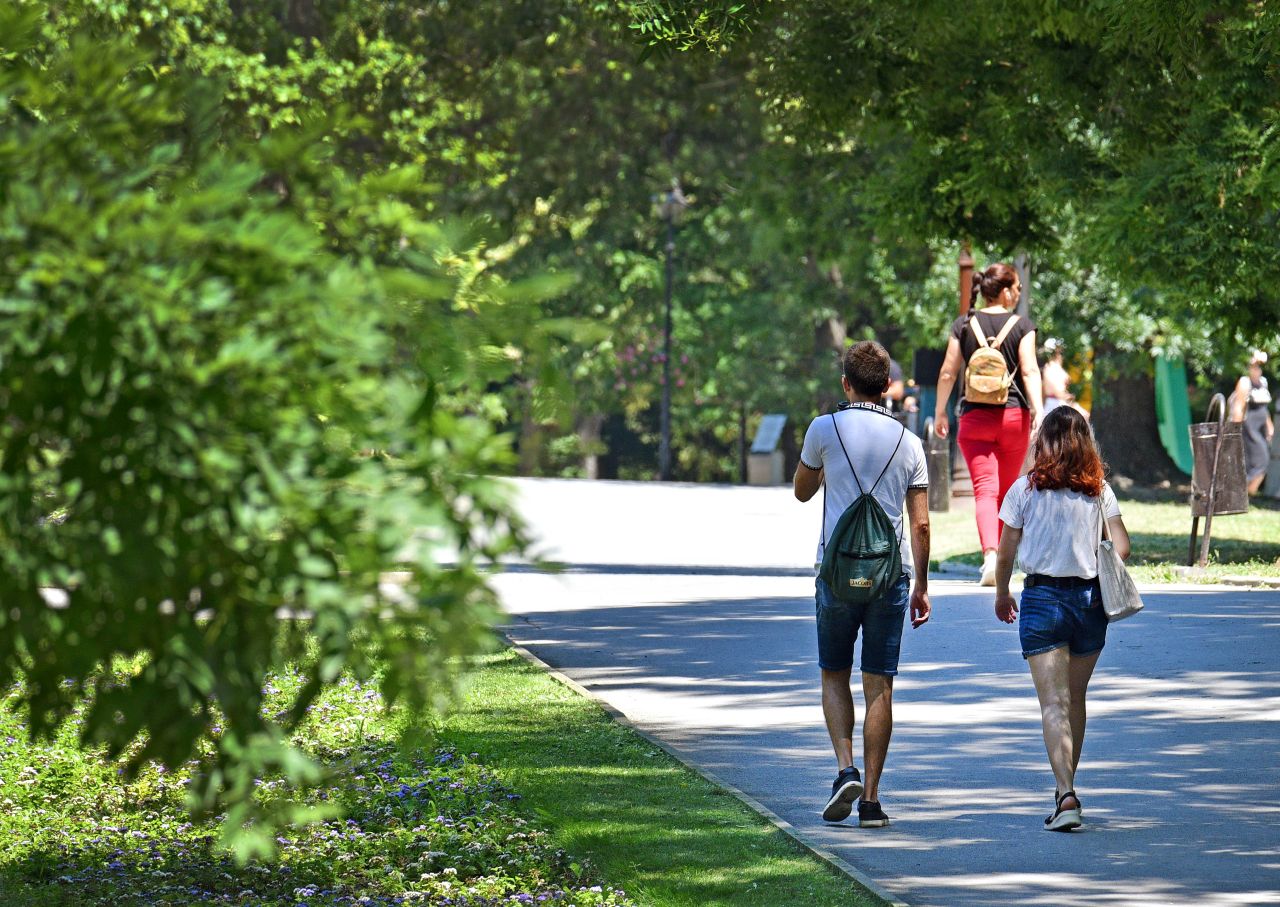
1060, 528
870, 435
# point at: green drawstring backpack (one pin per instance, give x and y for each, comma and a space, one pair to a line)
863, 559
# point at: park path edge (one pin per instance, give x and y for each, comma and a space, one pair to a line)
826, 856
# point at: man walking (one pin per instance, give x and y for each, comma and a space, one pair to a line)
862, 448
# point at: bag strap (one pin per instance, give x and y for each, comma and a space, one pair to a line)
1004, 331
1000, 337
835, 426
902, 434
1102, 517
973, 326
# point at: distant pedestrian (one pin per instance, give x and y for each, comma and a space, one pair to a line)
896, 392
1053, 522
1053, 376
1250, 404
862, 448
994, 350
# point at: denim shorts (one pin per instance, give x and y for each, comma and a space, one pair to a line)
1051, 618
881, 623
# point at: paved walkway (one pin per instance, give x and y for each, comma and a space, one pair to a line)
703, 637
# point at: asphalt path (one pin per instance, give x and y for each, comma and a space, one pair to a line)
689, 609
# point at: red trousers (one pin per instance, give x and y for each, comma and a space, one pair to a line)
994, 444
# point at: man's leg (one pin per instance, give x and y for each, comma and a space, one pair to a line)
877, 728
1079, 671
837, 709
1050, 672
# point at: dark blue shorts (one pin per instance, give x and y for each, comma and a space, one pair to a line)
881, 624
1050, 618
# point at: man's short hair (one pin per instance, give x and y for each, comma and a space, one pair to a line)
866, 368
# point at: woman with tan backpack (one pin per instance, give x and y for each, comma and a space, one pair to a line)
992, 350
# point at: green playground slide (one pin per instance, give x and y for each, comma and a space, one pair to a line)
1173, 410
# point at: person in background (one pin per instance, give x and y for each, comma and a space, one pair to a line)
1053, 376
895, 394
900, 398
1053, 521
1250, 405
992, 437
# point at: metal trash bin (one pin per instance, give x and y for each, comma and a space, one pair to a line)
766, 463
938, 457
1218, 485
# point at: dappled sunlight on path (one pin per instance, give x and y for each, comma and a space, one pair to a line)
1180, 779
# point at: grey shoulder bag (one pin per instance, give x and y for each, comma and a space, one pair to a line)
1120, 598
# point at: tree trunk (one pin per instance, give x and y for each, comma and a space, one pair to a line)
302, 19
828, 340
532, 437
589, 440
1124, 421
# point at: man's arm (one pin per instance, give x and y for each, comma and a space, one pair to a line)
918, 517
807, 481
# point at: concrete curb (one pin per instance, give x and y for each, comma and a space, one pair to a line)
1267, 582
773, 818
1192, 574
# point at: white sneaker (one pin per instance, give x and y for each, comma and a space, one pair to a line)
988, 569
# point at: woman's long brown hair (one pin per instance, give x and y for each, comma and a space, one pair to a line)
1065, 455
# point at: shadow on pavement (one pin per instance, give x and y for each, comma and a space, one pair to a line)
1180, 778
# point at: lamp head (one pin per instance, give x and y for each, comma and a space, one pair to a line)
671, 204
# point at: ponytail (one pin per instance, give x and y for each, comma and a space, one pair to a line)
992, 282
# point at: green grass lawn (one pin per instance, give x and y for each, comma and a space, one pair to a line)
663, 834
528, 794
1159, 526
423, 826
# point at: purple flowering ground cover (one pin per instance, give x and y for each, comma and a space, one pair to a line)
431, 826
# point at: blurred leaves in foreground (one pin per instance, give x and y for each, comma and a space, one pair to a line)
240, 382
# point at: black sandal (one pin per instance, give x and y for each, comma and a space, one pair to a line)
1064, 819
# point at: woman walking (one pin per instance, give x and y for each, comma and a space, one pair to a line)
997, 411
1250, 403
1053, 522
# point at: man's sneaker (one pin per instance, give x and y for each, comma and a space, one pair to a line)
844, 791
1064, 819
870, 815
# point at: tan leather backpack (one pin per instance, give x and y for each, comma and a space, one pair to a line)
986, 376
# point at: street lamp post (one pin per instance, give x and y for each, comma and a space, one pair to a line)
669, 208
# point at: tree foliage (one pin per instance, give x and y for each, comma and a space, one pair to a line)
241, 379
1149, 128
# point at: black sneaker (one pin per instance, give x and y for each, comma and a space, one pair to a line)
846, 789
870, 815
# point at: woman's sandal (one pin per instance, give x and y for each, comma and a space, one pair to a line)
1055, 800
1064, 819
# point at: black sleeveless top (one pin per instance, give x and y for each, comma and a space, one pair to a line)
991, 323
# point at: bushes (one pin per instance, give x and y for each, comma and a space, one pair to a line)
199, 331
418, 827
